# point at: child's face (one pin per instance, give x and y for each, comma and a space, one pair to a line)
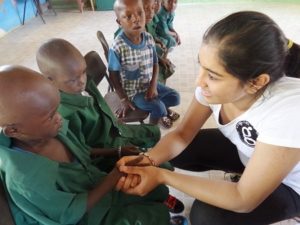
40, 119
157, 6
132, 18
170, 5
149, 8
214, 80
72, 79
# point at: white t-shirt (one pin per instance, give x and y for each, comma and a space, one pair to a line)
273, 119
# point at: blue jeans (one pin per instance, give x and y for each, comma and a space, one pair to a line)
157, 107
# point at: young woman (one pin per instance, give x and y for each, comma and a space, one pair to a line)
242, 84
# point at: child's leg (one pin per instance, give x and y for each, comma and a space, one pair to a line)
156, 107
142, 135
146, 210
168, 96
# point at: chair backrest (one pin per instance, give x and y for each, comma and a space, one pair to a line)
104, 43
6, 217
96, 69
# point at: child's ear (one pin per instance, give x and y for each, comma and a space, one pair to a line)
50, 78
10, 131
118, 21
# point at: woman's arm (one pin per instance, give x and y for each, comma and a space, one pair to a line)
263, 174
176, 141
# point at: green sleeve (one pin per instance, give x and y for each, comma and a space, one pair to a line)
48, 205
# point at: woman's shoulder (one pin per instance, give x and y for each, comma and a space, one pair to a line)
284, 87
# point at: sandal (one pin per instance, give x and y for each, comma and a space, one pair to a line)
173, 115
165, 122
178, 220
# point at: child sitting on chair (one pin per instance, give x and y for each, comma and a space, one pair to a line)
82, 104
133, 67
165, 26
48, 173
166, 68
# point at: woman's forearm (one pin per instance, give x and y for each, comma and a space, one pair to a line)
220, 193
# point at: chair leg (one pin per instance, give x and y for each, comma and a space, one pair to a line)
80, 5
39, 9
50, 6
24, 12
92, 5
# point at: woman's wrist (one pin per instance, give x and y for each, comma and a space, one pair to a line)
150, 159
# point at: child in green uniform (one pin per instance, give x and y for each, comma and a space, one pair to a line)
166, 68
165, 27
46, 170
91, 119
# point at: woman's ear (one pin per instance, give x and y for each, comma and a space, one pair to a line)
258, 83
10, 131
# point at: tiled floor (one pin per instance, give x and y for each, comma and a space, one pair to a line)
20, 45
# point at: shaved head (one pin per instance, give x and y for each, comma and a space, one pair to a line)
57, 57
120, 5
23, 92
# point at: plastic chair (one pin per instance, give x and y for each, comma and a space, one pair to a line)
96, 70
6, 217
104, 43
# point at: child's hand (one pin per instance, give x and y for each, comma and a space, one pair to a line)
129, 150
129, 181
165, 62
146, 179
151, 93
178, 40
124, 107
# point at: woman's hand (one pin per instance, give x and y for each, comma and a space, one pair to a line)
130, 180
145, 179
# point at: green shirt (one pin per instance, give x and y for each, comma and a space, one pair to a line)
92, 121
46, 192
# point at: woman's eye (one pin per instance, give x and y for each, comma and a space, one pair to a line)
211, 77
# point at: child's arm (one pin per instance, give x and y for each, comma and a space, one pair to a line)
108, 184
152, 90
175, 35
112, 152
103, 188
126, 103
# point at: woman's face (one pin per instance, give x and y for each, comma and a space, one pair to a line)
218, 86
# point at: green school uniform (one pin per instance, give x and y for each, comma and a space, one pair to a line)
46, 192
151, 28
164, 25
92, 121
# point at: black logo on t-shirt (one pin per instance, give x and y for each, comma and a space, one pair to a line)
247, 133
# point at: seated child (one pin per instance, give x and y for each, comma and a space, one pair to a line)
48, 173
165, 27
91, 119
133, 67
166, 68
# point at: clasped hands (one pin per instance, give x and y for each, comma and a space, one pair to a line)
139, 177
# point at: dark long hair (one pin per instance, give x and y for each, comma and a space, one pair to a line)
251, 43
